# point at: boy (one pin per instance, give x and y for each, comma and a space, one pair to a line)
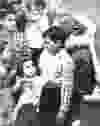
31, 85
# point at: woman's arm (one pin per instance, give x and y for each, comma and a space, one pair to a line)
17, 85
95, 60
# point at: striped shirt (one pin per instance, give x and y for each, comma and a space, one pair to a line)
31, 87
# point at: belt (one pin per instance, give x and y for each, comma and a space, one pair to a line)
51, 84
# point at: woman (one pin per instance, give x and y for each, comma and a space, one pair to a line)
81, 47
57, 71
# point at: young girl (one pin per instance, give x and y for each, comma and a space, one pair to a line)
31, 85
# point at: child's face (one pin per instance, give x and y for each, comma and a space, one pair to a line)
29, 69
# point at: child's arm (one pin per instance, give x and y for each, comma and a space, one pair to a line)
37, 86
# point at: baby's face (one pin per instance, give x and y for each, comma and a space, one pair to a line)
29, 69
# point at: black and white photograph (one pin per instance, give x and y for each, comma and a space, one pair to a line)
49, 63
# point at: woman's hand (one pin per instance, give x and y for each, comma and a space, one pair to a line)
36, 101
60, 117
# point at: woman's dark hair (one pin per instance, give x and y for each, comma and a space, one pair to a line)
40, 3
55, 33
11, 8
20, 20
3, 4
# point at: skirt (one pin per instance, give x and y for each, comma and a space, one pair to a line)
50, 98
49, 104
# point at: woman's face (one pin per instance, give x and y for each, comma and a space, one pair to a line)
52, 46
29, 69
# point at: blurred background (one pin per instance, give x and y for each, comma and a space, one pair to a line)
86, 7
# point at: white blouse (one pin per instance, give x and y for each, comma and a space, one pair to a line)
57, 68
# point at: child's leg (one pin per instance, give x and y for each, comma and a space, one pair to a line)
18, 106
24, 99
